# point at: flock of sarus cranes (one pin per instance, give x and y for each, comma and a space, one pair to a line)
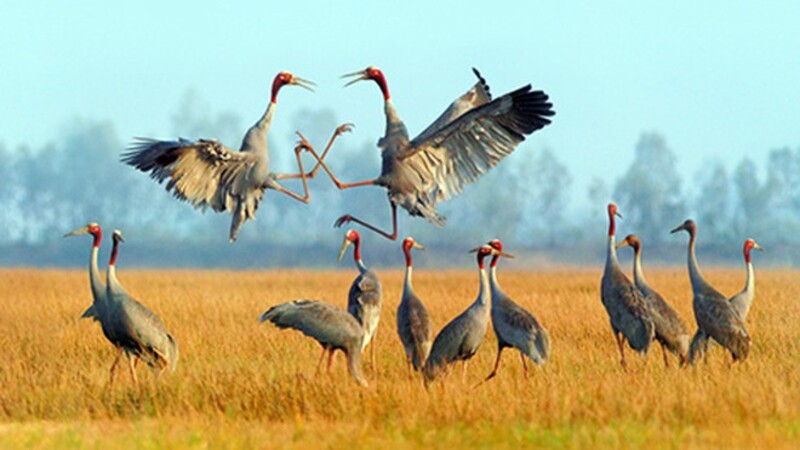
472, 135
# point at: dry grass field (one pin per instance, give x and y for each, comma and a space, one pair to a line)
243, 384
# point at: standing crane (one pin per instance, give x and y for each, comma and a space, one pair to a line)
206, 173
626, 307
473, 135
334, 329
741, 302
138, 331
413, 321
715, 315
459, 340
670, 329
513, 325
98, 311
364, 298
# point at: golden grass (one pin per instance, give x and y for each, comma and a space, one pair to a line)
243, 384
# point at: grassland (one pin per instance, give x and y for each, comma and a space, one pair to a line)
242, 384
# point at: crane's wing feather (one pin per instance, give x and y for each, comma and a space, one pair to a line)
142, 326
473, 143
326, 323
477, 95
203, 173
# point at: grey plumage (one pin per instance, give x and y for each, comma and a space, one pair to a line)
671, 331
514, 326
473, 135
460, 339
206, 173
332, 327
413, 321
624, 303
741, 302
364, 299
715, 315
138, 331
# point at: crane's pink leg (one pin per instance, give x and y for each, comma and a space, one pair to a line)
464, 370
664, 351
114, 366
621, 344
496, 364
330, 360
311, 175
524, 365
304, 143
132, 367
321, 357
307, 197
348, 218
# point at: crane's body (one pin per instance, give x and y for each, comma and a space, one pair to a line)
460, 339
413, 321
365, 296
715, 315
473, 135
741, 302
206, 173
514, 326
628, 313
334, 329
671, 331
139, 332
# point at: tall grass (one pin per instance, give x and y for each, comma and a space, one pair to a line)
241, 383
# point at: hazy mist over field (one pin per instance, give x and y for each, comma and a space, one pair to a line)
684, 110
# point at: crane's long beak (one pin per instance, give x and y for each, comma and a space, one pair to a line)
503, 254
303, 83
678, 228
79, 231
361, 74
757, 247
474, 250
418, 245
345, 244
621, 243
618, 214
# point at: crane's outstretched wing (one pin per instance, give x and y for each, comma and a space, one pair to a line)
329, 325
477, 95
204, 173
473, 143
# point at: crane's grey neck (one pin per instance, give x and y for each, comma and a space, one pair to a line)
95, 280
698, 281
114, 286
407, 286
255, 140
750, 282
611, 253
484, 293
638, 273
493, 284
361, 267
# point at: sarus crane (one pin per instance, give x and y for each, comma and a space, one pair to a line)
624, 303
206, 173
670, 329
716, 317
460, 339
413, 321
334, 329
139, 332
364, 298
513, 325
473, 135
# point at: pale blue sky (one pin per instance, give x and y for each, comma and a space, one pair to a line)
719, 79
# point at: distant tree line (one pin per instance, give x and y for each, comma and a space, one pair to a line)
49, 190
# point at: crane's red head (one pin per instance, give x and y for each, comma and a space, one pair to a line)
286, 78
408, 244
497, 245
370, 73
688, 225
351, 237
486, 250
93, 229
749, 245
612, 211
116, 237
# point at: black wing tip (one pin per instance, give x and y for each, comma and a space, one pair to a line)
483, 82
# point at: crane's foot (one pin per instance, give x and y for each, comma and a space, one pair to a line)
302, 144
344, 128
342, 220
